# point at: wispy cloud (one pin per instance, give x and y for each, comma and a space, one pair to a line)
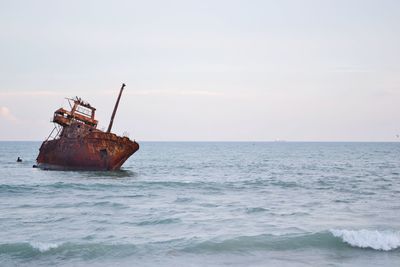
166, 92
350, 69
114, 92
31, 93
6, 114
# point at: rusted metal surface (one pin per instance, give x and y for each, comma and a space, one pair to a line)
80, 146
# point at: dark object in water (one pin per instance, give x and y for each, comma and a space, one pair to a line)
19, 159
78, 145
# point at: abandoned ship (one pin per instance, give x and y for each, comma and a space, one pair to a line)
76, 144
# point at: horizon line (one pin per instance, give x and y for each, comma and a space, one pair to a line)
240, 141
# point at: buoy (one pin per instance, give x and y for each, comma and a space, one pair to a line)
19, 159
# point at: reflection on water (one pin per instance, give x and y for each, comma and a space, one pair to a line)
122, 173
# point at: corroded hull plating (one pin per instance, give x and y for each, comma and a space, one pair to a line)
96, 151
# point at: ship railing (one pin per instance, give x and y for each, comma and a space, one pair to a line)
55, 133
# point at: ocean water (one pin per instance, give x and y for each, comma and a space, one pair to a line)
206, 204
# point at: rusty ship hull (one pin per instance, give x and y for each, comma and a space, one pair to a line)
79, 145
94, 152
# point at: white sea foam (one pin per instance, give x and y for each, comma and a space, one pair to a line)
43, 247
378, 240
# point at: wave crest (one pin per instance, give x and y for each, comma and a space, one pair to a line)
369, 238
43, 247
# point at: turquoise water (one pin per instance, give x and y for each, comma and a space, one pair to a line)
206, 204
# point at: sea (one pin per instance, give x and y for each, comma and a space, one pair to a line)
206, 204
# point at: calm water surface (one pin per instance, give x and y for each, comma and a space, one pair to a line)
206, 204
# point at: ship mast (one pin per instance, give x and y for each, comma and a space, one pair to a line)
115, 109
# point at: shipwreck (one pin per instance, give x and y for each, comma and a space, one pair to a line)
76, 144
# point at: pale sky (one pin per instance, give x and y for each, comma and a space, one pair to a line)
205, 70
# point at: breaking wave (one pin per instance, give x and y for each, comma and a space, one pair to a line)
374, 239
43, 247
333, 239
327, 240
29, 250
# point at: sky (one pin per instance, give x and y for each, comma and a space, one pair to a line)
220, 70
